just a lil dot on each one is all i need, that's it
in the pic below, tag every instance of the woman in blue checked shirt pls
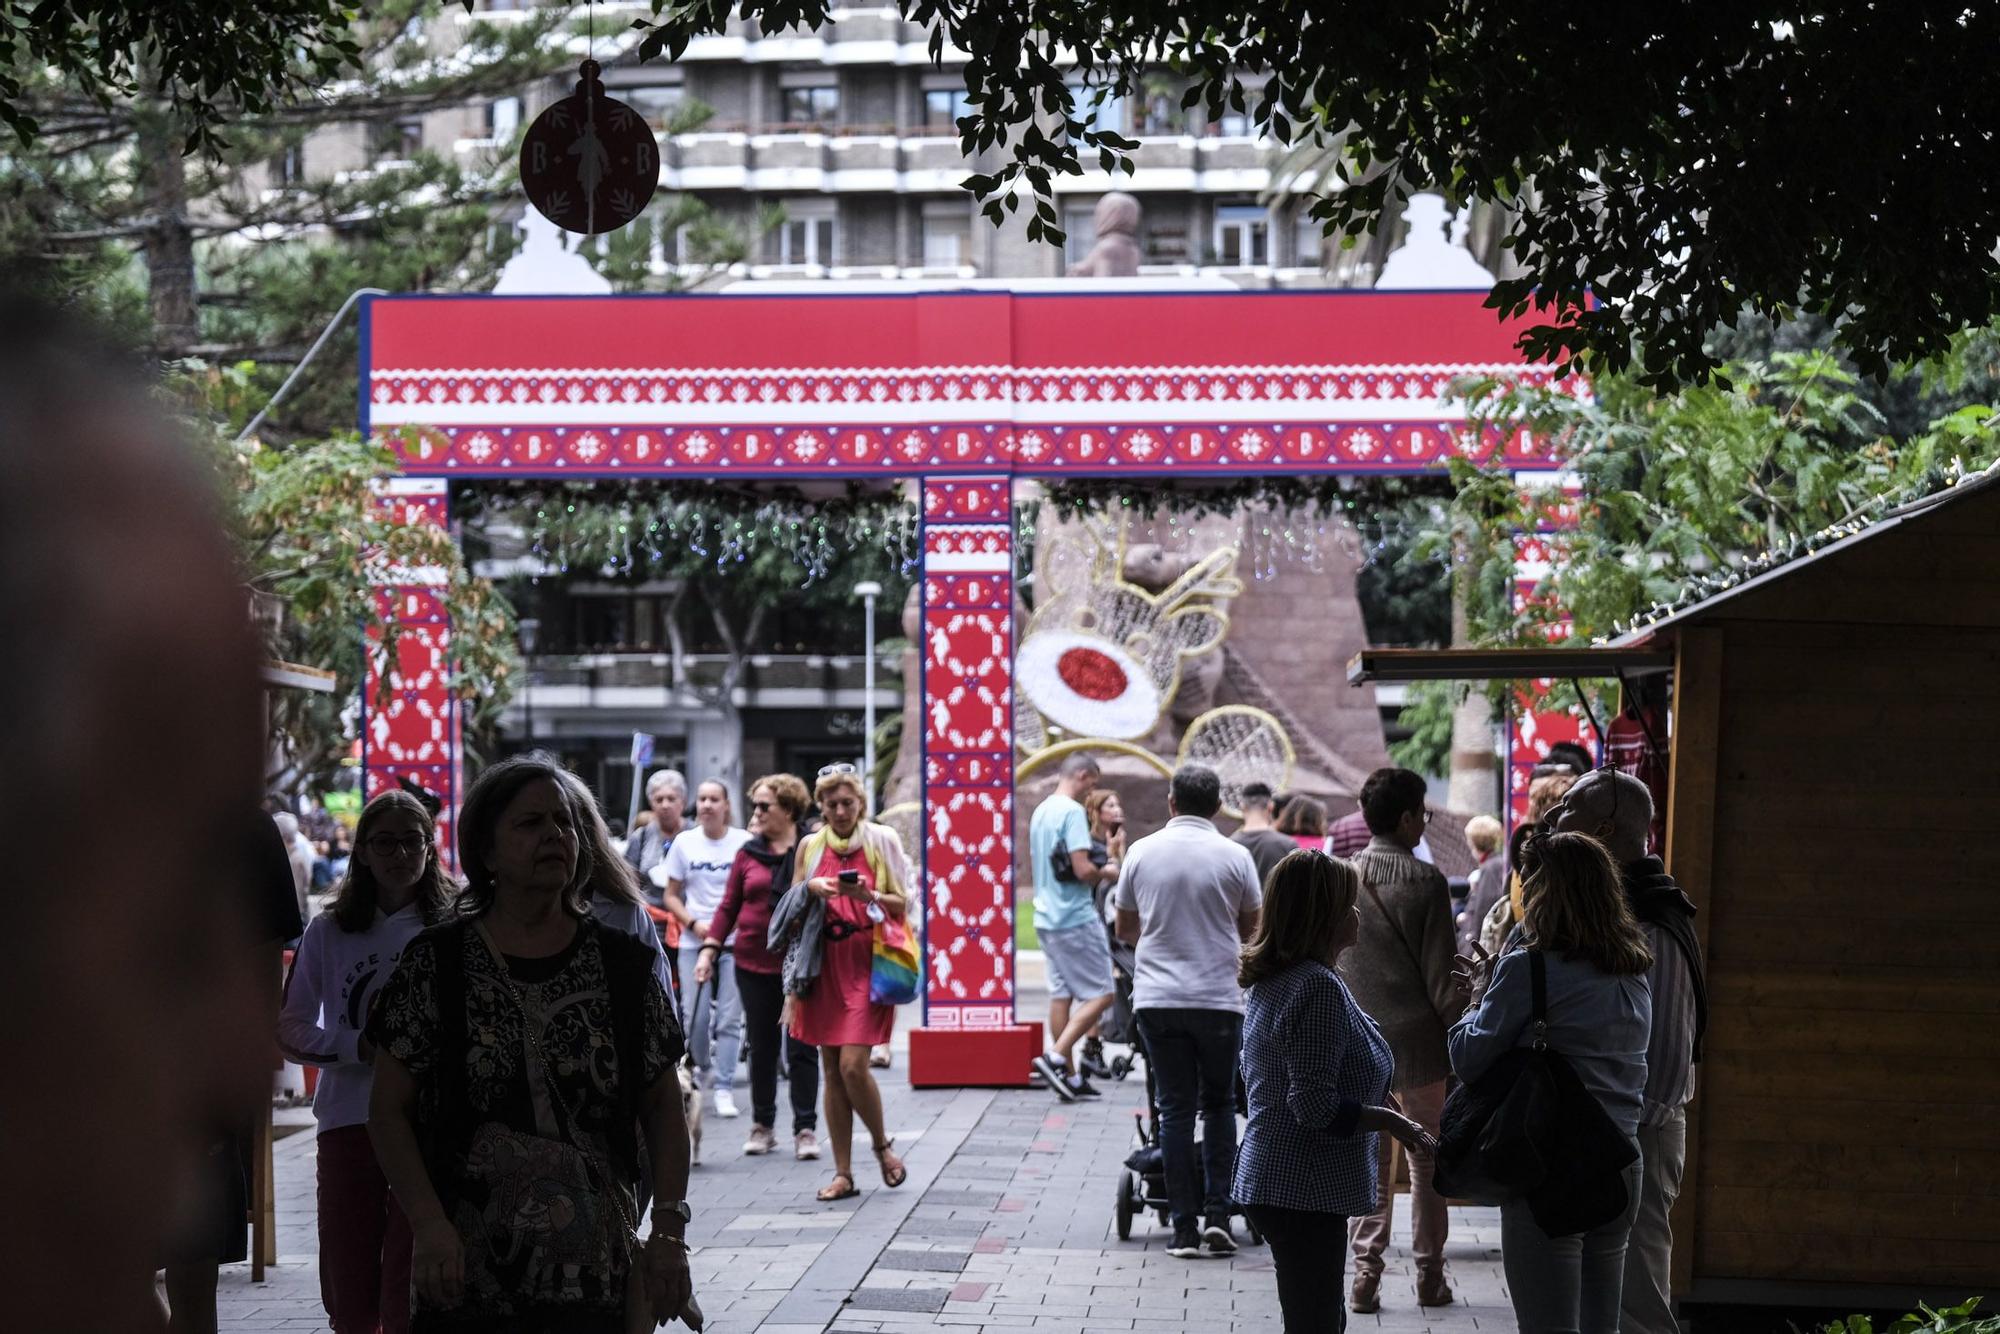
(1317, 1071)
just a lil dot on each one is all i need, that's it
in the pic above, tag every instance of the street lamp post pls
(530, 630)
(868, 591)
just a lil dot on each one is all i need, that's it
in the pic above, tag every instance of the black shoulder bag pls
(1529, 1130)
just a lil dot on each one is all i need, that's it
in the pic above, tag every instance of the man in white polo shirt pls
(1188, 898)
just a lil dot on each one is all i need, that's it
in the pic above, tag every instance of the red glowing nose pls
(1091, 674)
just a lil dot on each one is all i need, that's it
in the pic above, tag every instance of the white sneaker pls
(725, 1103)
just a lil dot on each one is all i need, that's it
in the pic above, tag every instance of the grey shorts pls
(1079, 962)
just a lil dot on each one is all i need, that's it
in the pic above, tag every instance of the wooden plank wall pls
(1849, 1108)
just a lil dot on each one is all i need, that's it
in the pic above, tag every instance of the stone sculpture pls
(1116, 251)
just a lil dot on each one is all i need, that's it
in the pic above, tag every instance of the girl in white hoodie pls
(395, 887)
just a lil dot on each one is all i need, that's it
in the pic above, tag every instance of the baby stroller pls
(1142, 1182)
(1118, 1024)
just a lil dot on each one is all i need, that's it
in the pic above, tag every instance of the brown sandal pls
(835, 1191)
(891, 1177)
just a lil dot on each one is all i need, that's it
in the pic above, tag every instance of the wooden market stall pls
(1835, 814)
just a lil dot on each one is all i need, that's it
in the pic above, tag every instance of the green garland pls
(659, 524)
(655, 525)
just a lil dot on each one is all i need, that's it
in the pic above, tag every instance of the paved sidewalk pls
(1006, 1223)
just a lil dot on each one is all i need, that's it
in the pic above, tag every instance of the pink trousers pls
(364, 1241)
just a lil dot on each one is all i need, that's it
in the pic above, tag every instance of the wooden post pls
(1697, 718)
(263, 1199)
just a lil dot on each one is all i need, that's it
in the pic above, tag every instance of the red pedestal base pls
(973, 1057)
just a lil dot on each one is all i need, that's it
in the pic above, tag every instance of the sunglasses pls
(763, 805)
(843, 768)
(386, 845)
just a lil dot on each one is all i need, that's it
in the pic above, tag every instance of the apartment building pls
(836, 152)
(848, 134)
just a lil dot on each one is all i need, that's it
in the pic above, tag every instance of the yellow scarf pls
(879, 845)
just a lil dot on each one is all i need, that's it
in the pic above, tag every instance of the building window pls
(1242, 236)
(658, 103)
(288, 168)
(1114, 113)
(1166, 241)
(1233, 124)
(807, 237)
(815, 104)
(943, 107)
(1079, 232)
(947, 236)
(1160, 114)
(399, 139)
(1308, 240)
(503, 117)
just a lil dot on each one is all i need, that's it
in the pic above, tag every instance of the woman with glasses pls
(857, 871)
(394, 888)
(761, 873)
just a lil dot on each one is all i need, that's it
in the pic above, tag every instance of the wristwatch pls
(678, 1208)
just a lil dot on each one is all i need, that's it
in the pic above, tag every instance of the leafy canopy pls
(1679, 161)
(211, 59)
(1681, 492)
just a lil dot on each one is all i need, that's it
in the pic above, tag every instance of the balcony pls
(879, 159)
(644, 682)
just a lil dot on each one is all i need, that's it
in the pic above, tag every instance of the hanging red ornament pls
(590, 163)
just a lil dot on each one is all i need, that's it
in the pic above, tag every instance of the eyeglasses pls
(1428, 813)
(388, 845)
(843, 768)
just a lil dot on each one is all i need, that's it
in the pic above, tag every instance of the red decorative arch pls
(962, 390)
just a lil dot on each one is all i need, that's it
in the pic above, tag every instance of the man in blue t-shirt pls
(1072, 934)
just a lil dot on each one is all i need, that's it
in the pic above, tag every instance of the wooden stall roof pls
(295, 676)
(1503, 664)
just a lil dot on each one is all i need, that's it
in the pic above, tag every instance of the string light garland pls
(1703, 587)
(1298, 520)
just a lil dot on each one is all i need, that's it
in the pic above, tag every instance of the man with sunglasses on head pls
(1617, 810)
(1400, 971)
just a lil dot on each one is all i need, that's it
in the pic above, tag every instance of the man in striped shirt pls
(1617, 810)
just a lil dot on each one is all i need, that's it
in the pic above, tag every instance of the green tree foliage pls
(211, 59)
(310, 530)
(1700, 484)
(1675, 162)
(1963, 1318)
(243, 249)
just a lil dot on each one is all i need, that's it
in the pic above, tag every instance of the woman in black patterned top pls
(523, 1053)
(1317, 1072)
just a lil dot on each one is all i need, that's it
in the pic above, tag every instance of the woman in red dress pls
(858, 870)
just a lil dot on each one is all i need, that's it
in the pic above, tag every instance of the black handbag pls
(1529, 1130)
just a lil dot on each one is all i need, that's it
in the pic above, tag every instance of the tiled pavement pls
(1006, 1223)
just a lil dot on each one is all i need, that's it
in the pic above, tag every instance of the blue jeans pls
(712, 1016)
(1193, 1058)
(1567, 1285)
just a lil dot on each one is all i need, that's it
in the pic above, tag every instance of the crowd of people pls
(1324, 985)
(509, 1060)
